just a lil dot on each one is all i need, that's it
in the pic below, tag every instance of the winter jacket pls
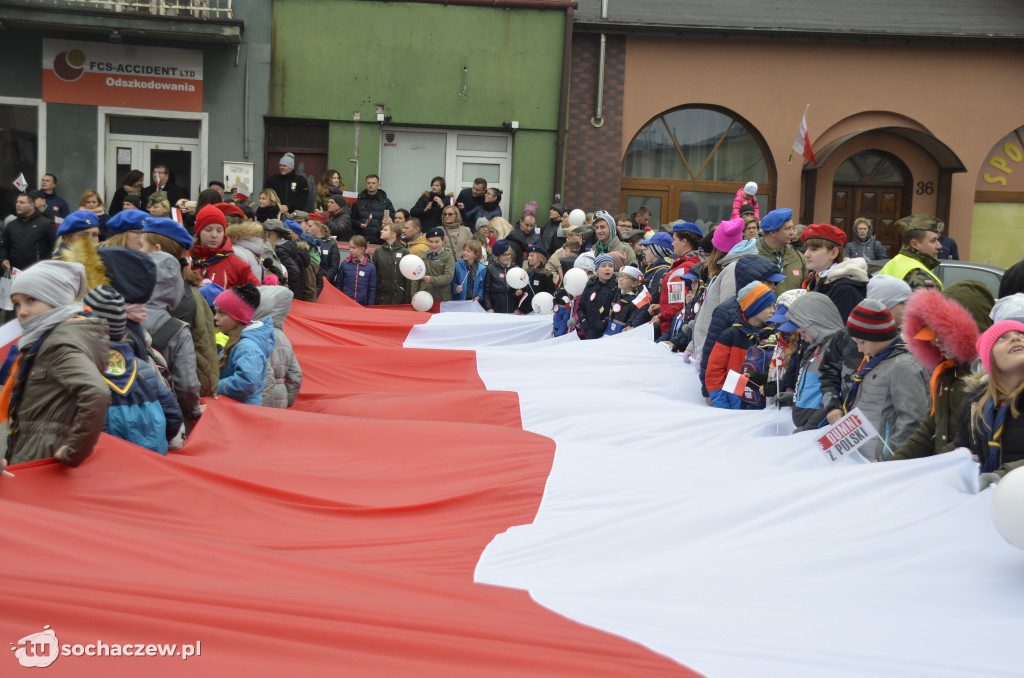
(949, 249)
(64, 398)
(27, 240)
(419, 246)
(330, 262)
(894, 398)
(472, 285)
(485, 210)
(615, 245)
(468, 202)
(913, 267)
(221, 265)
(195, 311)
(971, 433)
(247, 241)
(789, 262)
(58, 205)
(245, 374)
(291, 188)
(456, 238)
(294, 256)
(838, 365)
(846, 284)
(428, 211)
(742, 199)
(626, 314)
(868, 248)
(672, 303)
(340, 225)
(392, 287)
(368, 214)
(541, 280)
(654, 274)
(817, 315)
(358, 280)
(179, 350)
(284, 376)
(728, 353)
(520, 243)
(595, 306)
(552, 235)
(724, 286)
(498, 296)
(956, 315)
(441, 269)
(268, 212)
(142, 409)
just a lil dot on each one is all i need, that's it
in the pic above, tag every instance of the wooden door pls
(883, 205)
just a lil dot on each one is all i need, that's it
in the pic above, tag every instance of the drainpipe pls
(563, 105)
(598, 119)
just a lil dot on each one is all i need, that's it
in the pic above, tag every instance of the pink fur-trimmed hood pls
(954, 315)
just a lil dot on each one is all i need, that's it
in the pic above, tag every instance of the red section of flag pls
(339, 540)
(802, 144)
(642, 298)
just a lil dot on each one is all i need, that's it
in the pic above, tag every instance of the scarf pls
(136, 312)
(131, 190)
(205, 263)
(35, 327)
(865, 367)
(993, 419)
(934, 386)
(605, 248)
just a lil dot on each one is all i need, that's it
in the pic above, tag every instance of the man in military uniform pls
(774, 246)
(916, 260)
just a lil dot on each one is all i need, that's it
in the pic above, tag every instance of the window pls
(697, 157)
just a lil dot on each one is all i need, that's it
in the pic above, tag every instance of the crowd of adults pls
(771, 313)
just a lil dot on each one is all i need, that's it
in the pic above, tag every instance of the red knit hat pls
(987, 340)
(870, 320)
(239, 302)
(825, 232)
(210, 215)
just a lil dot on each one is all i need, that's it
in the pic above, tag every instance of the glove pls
(986, 479)
(571, 323)
(785, 400)
(770, 389)
(757, 378)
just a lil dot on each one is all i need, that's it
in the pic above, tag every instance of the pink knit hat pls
(987, 340)
(727, 235)
(239, 302)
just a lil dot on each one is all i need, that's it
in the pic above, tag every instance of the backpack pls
(758, 360)
(158, 347)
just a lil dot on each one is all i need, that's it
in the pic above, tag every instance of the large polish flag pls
(457, 494)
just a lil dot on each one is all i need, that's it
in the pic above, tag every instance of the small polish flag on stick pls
(802, 144)
(20, 182)
(735, 382)
(642, 298)
(349, 196)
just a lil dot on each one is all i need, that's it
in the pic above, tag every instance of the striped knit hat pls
(870, 320)
(603, 259)
(754, 298)
(107, 303)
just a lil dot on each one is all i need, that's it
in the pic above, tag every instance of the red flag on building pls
(802, 144)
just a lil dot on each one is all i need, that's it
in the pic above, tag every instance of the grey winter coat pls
(284, 376)
(869, 248)
(894, 398)
(180, 351)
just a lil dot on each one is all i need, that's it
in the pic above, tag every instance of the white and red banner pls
(128, 76)
(845, 436)
(457, 495)
(802, 144)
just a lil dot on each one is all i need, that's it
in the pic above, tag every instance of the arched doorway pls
(689, 162)
(876, 185)
(996, 236)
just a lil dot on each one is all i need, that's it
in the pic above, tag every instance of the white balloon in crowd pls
(412, 267)
(575, 280)
(422, 300)
(543, 302)
(1008, 507)
(517, 278)
(577, 217)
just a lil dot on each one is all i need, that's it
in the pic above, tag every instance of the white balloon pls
(422, 300)
(1008, 507)
(543, 302)
(412, 267)
(577, 217)
(575, 281)
(517, 278)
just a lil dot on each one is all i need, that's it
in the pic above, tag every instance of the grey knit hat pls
(888, 290)
(52, 281)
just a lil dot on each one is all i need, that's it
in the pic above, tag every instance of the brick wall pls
(593, 168)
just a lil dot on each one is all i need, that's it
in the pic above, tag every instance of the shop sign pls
(127, 76)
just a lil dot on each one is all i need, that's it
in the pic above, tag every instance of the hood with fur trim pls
(953, 315)
(855, 269)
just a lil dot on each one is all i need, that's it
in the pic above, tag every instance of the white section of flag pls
(735, 382)
(20, 183)
(802, 144)
(642, 298)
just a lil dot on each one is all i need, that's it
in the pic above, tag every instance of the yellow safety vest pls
(900, 265)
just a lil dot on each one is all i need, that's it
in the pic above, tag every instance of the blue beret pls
(499, 247)
(168, 227)
(774, 220)
(538, 249)
(294, 225)
(210, 291)
(660, 239)
(78, 220)
(687, 226)
(127, 220)
(435, 232)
